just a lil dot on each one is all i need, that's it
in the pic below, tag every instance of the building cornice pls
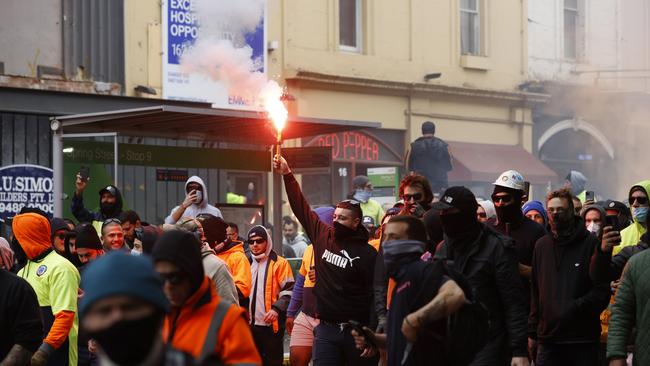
(327, 81)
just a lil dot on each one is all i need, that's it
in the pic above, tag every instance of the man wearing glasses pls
(638, 199)
(416, 193)
(197, 312)
(344, 263)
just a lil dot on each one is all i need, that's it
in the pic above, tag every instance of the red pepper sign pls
(349, 146)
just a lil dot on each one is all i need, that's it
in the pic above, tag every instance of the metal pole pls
(57, 168)
(277, 213)
(115, 156)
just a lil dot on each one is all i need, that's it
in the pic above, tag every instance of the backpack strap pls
(212, 335)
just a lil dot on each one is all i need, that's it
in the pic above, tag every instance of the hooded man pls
(593, 216)
(199, 322)
(576, 182)
(344, 264)
(639, 206)
(486, 212)
(56, 282)
(509, 189)
(125, 315)
(567, 297)
(489, 262)
(110, 204)
(272, 285)
(195, 202)
(362, 193)
(430, 157)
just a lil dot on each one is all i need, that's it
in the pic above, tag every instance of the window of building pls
(470, 27)
(571, 29)
(350, 25)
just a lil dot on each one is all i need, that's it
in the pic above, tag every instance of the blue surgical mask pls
(362, 195)
(640, 214)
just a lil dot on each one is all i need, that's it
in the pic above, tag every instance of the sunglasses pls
(111, 221)
(256, 241)
(174, 278)
(502, 199)
(61, 236)
(352, 202)
(416, 197)
(640, 200)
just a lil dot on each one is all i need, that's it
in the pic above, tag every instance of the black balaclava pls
(183, 249)
(434, 229)
(511, 213)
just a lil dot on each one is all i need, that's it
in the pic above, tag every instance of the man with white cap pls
(509, 190)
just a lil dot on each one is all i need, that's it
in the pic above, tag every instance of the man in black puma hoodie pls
(566, 296)
(344, 264)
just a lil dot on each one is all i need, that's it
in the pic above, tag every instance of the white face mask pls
(199, 197)
(593, 227)
(136, 252)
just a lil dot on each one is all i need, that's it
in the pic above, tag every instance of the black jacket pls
(344, 270)
(566, 295)
(20, 315)
(82, 214)
(490, 265)
(417, 283)
(620, 260)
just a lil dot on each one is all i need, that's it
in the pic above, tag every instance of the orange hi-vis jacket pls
(205, 315)
(278, 286)
(239, 267)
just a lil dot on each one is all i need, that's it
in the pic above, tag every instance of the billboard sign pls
(180, 29)
(25, 185)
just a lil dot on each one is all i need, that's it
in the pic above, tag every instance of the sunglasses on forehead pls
(111, 221)
(352, 202)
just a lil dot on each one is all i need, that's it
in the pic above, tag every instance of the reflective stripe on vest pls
(212, 336)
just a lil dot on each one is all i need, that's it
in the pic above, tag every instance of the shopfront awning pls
(485, 162)
(177, 122)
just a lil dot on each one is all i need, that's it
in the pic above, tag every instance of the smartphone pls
(526, 189)
(589, 196)
(359, 329)
(612, 220)
(84, 173)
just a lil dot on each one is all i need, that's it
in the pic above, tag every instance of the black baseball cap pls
(457, 197)
(110, 190)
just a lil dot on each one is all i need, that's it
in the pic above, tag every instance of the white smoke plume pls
(221, 52)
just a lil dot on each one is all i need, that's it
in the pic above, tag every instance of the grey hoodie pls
(196, 208)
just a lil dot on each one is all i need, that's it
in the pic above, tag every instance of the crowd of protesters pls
(440, 278)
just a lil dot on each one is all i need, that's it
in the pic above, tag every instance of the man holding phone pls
(110, 200)
(195, 202)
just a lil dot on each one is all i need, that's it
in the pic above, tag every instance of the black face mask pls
(563, 225)
(108, 209)
(456, 225)
(342, 232)
(129, 342)
(510, 213)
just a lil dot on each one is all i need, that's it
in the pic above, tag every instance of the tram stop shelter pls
(192, 123)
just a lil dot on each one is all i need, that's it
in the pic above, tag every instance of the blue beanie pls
(325, 214)
(537, 206)
(117, 273)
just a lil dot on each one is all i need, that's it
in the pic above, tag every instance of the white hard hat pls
(511, 179)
